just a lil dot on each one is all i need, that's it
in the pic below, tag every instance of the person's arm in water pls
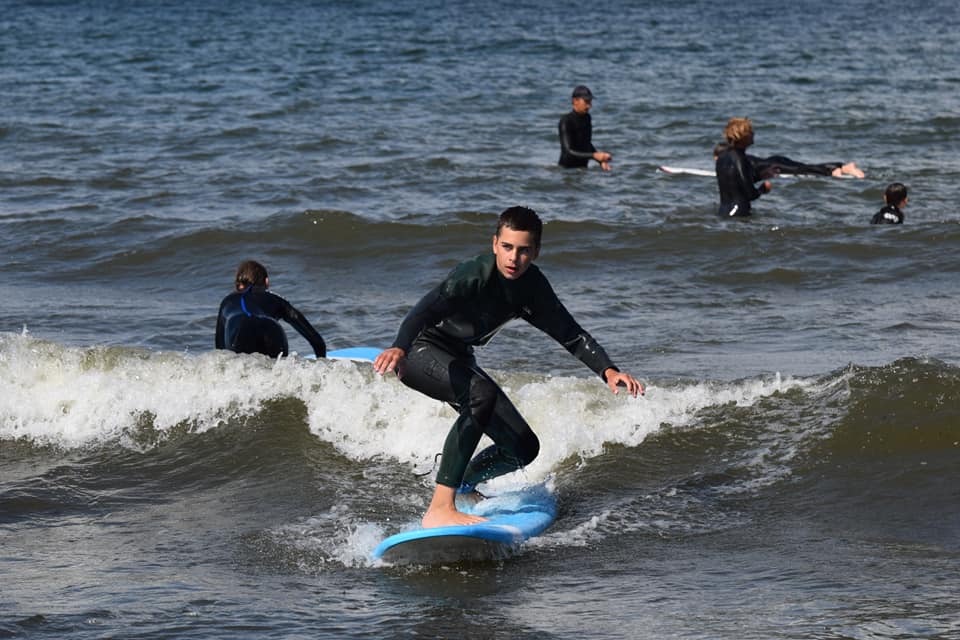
(299, 322)
(782, 165)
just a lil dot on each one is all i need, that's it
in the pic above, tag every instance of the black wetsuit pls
(768, 167)
(247, 323)
(576, 146)
(438, 335)
(735, 178)
(889, 214)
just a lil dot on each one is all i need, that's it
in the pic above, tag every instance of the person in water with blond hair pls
(736, 177)
(248, 317)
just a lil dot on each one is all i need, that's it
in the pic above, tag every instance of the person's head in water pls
(251, 273)
(896, 195)
(516, 244)
(739, 132)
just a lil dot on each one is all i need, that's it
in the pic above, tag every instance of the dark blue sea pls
(793, 470)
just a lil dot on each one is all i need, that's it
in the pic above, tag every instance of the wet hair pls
(521, 219)
(720, 148)
(895, 194)
(738, 130)
(250, 273)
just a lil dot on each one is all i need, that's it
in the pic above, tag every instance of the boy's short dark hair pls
(521, 219)
(895, 194)
(250, 273)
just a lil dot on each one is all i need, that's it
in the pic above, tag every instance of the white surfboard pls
(687, 171)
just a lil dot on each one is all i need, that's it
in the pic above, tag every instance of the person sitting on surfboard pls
(576, 133)
(735, 174)
(773, 166)
(434, 353)
(895, 199)
(247, 321)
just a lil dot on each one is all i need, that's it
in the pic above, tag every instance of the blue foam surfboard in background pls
(355, 353)
(513, 518)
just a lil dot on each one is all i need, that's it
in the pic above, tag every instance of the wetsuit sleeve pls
(788, 166)
(745, 176)
(299, 322)
(763, 168)
(566, 141)
(550, 316)
(426, 313)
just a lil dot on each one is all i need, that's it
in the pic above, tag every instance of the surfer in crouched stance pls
(434, 354)
(248, 317)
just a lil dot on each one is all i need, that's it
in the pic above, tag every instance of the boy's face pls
(515, 252)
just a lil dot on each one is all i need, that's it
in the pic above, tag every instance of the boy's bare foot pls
(851, 169)
(442, 517)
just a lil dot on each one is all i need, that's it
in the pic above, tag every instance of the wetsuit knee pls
(498, 460)
(482, 400)
(527, 449)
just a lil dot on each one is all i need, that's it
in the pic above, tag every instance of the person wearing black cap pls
(576, 131)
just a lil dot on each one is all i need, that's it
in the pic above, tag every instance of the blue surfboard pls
(355, 353)
(513, 518)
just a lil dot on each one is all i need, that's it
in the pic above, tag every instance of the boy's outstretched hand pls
(388, 360)
(616, 379)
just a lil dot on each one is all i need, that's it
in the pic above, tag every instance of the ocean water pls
(793, 470)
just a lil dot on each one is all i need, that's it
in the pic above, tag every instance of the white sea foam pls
(76, 396)
(336, 535)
